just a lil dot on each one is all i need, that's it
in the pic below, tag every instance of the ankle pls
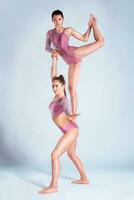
(53, 186)
(83, 176)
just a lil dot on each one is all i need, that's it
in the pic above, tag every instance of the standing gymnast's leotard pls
(59, 107)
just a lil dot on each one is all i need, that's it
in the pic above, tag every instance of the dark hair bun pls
(61, 76)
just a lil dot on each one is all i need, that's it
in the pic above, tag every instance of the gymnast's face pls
(58, 88)
(58, 21)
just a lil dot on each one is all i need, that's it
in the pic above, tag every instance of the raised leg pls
(60, 148)
(71, 152)
(73, 75)
(85, 50)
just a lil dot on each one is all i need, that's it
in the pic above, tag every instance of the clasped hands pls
(55, 53)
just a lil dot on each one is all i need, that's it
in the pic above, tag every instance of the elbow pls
(47, 49)
(85, 39)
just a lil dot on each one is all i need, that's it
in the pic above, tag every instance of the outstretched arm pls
(54, 67)
(48, 48)
(83, 37)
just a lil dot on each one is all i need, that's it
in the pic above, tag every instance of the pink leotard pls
(62, 105)
(60, 42)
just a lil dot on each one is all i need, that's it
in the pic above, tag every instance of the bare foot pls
(49, 189)
(91, 20)
(94, 19)
(81, 181)
(72, 117)
(74, 114)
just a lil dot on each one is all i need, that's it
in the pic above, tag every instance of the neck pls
(59, 29)
(60, 95)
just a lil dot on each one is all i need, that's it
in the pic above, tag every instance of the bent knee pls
(54, 155)
(101, 43)
(71, 155)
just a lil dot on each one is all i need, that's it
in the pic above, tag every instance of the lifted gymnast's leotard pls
(59, 106)
(60, 42)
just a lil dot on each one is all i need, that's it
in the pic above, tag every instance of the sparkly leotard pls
(60, 42)
(57, 107)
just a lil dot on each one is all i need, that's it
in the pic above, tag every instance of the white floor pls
(105, 184)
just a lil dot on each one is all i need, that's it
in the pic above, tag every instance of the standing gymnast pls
(61, 114)
(59, 37)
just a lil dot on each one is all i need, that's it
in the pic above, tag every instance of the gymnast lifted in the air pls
(59, 37)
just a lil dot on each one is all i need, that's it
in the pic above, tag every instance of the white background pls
(105, 87)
